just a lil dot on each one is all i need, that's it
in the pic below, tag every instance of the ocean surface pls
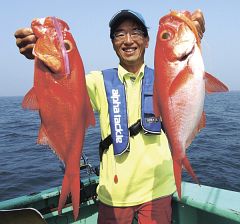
(26, 167)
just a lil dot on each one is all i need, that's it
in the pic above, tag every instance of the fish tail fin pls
(64, 193)
(177, 168)
(189, 169)
(75, 191)
(70, 184)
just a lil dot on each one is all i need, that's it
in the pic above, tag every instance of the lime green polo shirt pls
(146, 171)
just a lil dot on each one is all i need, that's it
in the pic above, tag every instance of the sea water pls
(26, 167)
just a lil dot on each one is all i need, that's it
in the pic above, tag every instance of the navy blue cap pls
(124, 14)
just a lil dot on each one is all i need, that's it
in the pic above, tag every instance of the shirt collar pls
(122, 73)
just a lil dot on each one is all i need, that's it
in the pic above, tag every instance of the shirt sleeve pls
(92, 81)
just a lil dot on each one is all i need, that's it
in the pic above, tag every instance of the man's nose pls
(128, 38)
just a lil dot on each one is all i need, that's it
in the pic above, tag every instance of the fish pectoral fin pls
(30, 100)
(181, 79)
(213, 85)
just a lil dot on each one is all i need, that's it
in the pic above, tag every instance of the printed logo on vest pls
(117, 116)
(152, 120)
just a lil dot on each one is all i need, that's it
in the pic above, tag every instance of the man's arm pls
(25, 38)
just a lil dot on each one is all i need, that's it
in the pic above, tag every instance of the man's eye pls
(137, 32)
(119, 34)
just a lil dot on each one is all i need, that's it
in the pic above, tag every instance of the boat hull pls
(199, 205)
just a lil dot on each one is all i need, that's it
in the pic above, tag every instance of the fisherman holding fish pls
(136, 168)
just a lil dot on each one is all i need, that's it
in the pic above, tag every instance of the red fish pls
(180, 85)
(60, 94)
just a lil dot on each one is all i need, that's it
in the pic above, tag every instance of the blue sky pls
(88, 21)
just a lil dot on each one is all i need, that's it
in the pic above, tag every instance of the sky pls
(88, 21)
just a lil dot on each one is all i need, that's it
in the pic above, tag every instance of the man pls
(136, 173)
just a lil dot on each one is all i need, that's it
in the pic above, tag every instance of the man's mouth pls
(129, 49)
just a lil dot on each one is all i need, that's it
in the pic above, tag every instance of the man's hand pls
(198, 19)
(25, 40)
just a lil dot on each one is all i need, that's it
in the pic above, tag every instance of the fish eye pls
(68, 45)
(165, 35)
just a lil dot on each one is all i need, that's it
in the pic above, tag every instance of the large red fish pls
(60, 94)
(180, 85)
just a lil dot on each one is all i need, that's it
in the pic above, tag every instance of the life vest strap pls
(105, 143)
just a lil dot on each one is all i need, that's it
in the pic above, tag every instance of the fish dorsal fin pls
(30, 100)
(180, 80)
(212, 84)
(201, 125)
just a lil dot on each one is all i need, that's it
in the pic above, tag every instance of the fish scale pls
(179, 86)
(61, 99)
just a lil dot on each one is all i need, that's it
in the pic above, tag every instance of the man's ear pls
(113, 45)
(147, 41)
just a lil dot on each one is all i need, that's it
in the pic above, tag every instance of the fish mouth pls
(186, 54)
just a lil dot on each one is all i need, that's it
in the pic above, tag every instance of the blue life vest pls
(117, 108)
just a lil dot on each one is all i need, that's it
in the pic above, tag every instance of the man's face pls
(130, 48)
